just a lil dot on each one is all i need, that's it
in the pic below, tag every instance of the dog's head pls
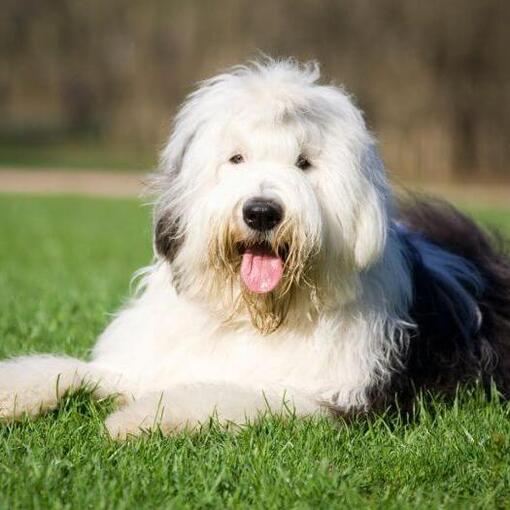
(272, 195)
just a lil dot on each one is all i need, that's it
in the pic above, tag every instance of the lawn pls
(65, 265)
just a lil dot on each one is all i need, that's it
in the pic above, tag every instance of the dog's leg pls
(188, 406)
(33, 384)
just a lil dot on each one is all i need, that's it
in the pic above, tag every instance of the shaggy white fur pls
(195, 342)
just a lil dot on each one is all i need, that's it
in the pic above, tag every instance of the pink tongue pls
(261, 271)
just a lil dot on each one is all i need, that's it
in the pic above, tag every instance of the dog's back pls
(449, 346)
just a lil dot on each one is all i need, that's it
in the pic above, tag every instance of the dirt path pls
(488, 195)
(127, 184)
(98, 183)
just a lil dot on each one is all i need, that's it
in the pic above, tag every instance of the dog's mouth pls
(261, 267)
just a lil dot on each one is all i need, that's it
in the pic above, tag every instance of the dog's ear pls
(371, 225)
(372, 215)
(167, 236)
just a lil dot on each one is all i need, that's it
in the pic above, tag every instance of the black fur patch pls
(443, 349)
(167, 238)
(448, 348)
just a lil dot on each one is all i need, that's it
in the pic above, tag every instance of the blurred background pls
(93, 83)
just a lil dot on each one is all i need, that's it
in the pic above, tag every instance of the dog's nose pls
(262, 214)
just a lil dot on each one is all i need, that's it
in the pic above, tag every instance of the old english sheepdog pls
(285, 277)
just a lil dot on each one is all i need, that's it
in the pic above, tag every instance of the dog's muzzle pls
(261, 267)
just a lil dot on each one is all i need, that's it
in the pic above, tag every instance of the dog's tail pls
(443, 225)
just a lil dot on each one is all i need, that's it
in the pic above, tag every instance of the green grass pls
(65, 264)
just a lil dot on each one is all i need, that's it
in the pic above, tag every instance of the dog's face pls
(272, 194)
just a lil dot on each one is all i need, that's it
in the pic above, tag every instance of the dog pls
(286, 276)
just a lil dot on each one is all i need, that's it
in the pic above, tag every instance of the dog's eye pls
(302, 162)
(236, 159)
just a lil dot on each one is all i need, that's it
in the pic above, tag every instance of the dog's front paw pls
(23, 389)
(15, 405)
(125, 424)
(7, 405)
(146, 415)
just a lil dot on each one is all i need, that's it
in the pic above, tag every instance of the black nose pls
(262, 214)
